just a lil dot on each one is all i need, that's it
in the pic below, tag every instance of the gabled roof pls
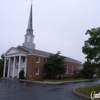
(72, 60)
(36, 52)
(46, 54)
(12, 48)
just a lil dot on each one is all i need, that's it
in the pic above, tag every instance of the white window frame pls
(72, 69)
(38, 59)
(66, 69)
(45, 60)
(37, 73)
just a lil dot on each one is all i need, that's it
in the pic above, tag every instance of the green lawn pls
(87, 90)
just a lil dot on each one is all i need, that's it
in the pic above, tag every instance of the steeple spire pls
(29, 37)
(30, 28)
(30, 20)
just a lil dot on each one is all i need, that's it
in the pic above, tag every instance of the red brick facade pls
(32, 65)
(70, 64)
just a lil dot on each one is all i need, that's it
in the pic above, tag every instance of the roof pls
(46, 54)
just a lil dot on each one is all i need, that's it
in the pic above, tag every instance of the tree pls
(1, 65)
(21, 74)
(88, 69)
(92, 45)
(54, 65)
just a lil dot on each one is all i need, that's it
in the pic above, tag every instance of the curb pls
(83, 97)
(47, 82)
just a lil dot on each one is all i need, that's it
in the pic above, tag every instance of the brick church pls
(31, 60)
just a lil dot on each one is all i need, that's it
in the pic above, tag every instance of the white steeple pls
(29, 37)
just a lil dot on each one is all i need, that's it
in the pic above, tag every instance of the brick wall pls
(70, 64)
(32, 65)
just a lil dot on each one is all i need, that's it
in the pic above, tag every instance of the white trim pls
(38, 59)
(19, 65)
(8, 67)
(26, 66)
(13, 55)
(10, 49)
(37, 73)
(4, 67)
(13, 73)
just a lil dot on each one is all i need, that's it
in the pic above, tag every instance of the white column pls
(4, 67)
(19, 65)
(25, 65)
(8, 67)
(13, 73)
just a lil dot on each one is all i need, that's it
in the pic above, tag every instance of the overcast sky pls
(59, 25)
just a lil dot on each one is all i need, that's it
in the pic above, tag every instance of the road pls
(15, 90)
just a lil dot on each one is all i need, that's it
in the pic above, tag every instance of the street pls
(15, 90)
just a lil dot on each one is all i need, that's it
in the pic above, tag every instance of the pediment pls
(12, 51)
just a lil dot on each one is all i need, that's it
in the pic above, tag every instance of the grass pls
(87, 90)
(62, 80)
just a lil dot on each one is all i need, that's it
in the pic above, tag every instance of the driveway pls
(15, 90)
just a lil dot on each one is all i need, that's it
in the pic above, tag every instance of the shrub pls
(64, 77)
(21, 74)
(37, 78)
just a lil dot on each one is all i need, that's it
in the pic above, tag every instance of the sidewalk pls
(49, 82)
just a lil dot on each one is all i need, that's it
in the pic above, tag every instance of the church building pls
(31, 60)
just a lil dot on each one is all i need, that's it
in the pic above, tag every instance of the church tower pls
(29, 37)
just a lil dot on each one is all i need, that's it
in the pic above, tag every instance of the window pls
(45, 60)
(37, 59)
(37, 71)
(72, 69)
(66, 69)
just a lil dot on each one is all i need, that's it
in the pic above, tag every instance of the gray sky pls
(59, 25)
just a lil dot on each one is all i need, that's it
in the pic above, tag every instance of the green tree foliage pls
(54, 65)
(21, 74)
(1, 65)
(92, 45)
(88, 69)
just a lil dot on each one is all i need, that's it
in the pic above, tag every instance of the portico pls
(14, 64)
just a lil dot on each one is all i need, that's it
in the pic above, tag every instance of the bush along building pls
(31, 60)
